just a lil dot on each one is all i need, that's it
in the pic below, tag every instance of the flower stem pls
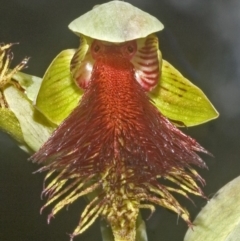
(141, 234)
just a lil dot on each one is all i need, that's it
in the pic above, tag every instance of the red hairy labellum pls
(116, 124)
(117, 142)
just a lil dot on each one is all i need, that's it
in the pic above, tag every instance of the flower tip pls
(190, 224)
(25, 61)
(205, 197)
(50, 216)
(72, 236)
(11, 44)
(42, 208)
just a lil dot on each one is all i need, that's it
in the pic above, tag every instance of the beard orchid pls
(116, 105)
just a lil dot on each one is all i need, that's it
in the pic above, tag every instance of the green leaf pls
(35, 128)
(10, 124)
(180, 100)
(29, 83)
(58, 94)
(220, 219)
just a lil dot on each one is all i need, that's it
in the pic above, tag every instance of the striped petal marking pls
(142, 53)
(147, 63)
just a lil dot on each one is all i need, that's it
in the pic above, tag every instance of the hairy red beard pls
(117, 144)
(116, 127)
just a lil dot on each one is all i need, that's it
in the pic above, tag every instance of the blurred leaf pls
(35, 128)
(180, 100)
(58, 94)
(220, 219)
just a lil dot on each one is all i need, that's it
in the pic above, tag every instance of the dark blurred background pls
(201, 39)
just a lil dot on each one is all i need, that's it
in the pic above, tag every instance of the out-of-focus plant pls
(115, 105)
(18, 116)
(220, 218)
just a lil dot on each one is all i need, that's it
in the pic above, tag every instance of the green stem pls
(141, 233)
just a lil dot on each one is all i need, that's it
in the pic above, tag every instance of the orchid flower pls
(117, 105)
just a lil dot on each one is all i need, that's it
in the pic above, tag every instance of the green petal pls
(10, 124)
(220, 219)
(58, 94)
(29, 83)
(35, 128)
(180, 100)
(82, 62)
